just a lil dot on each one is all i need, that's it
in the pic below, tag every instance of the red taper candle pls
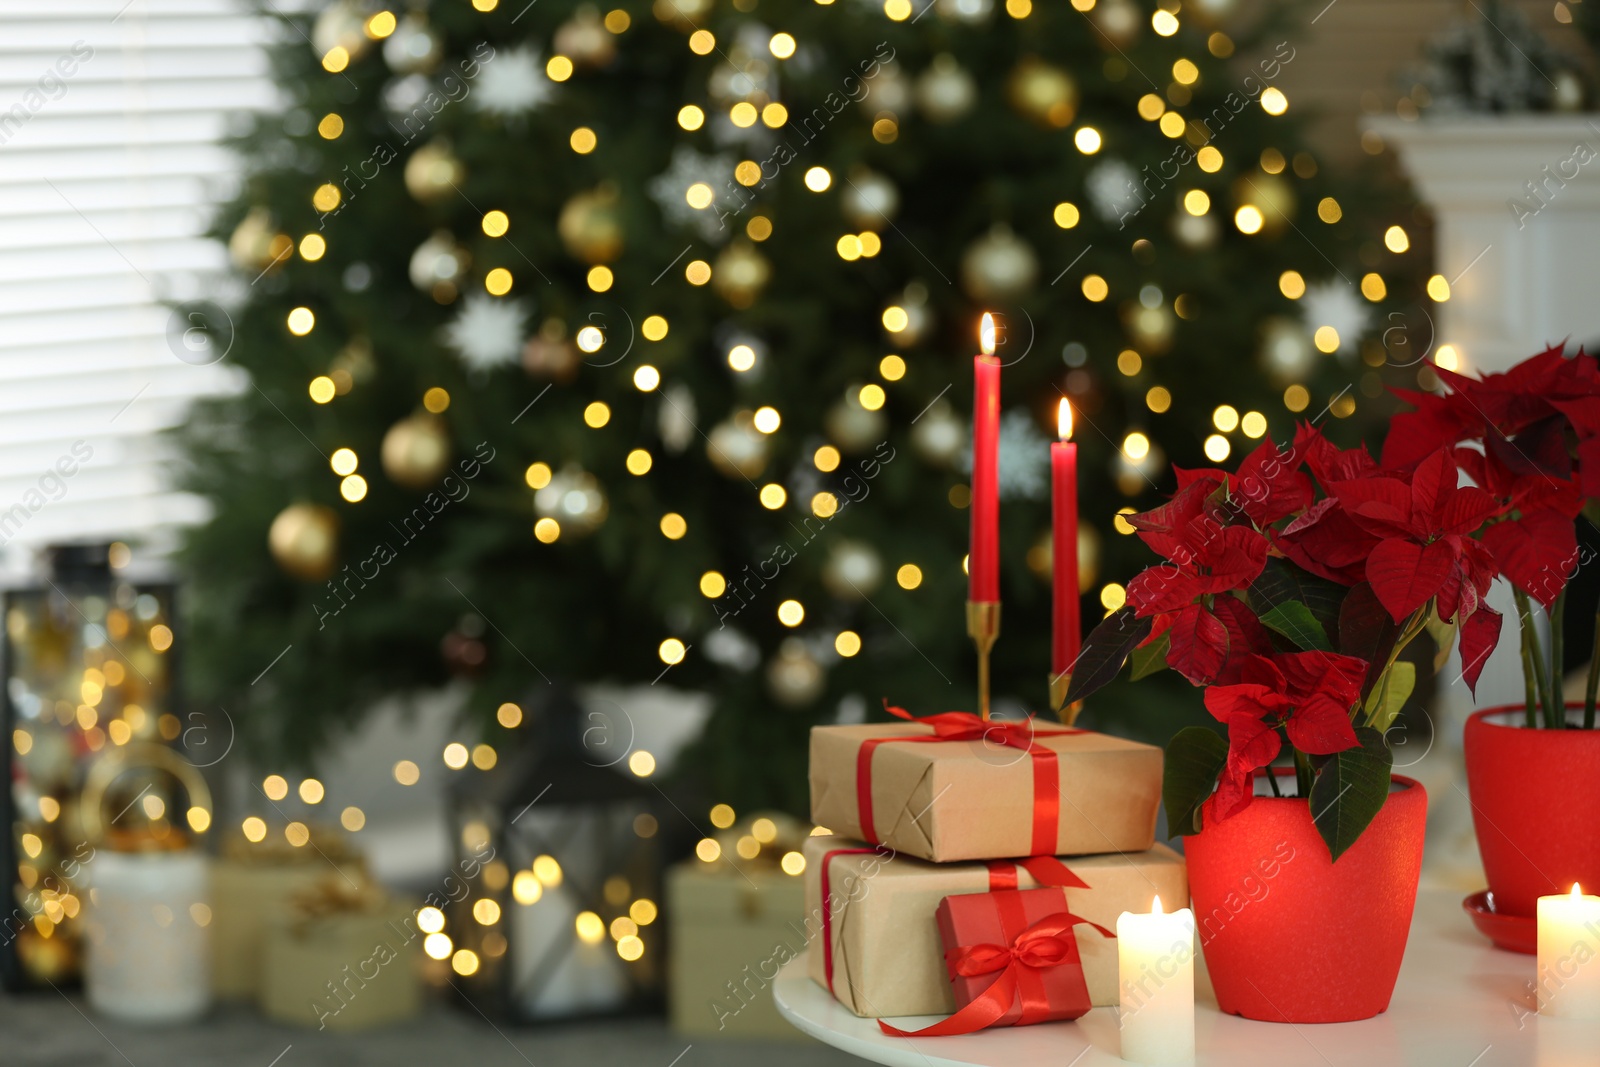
(1066, 636)
(983, 563)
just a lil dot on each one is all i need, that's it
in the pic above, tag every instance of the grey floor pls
(50, 1030)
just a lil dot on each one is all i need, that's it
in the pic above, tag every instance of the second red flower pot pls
(1288, 934)
(1535, 804)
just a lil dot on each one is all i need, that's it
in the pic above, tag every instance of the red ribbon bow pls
(1046, 944)
(965, 726)
(1041, 945)
(1003, 874)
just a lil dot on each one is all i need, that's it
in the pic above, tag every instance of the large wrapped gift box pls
(253, 885)
(346, 958)
(733, 926)
(880, 933)
(1021, 790)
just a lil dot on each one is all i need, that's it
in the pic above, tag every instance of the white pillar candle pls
(1569, 955)
(1155, 970)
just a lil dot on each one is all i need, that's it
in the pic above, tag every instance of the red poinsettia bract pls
(1518, 429)
(1308, 694)
(1204, 558)
(1422, 525)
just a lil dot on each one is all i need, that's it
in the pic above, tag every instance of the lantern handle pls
(105, 771)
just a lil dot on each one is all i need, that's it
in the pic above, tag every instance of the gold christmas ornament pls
(686, 15)
(1196, 231)
(590, 225)
(868, 200)
(341, 25)
(1271, 194)
(413, 47)
(1118, 20)
(739, 273)
(550, 353)
(1088, 557)
(584, 39)
(1150, 327)
(852, 571)
(1041, 557)
(1134, 476)
(355, 361)
(939, 435)
(433, 172)
(852, 427)
(908, 318)
(574, 499)
(416, 451)
(794, 677)
(945, 91)
(304, 541)
(998, 266)
(1215, 11)
(1044, 93)
(256, 243)
(438, 261)
(736, 448)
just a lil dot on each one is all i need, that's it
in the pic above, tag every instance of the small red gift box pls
(1012, 956)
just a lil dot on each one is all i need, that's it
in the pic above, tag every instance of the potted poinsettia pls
(1289, 591)
(1531, 438)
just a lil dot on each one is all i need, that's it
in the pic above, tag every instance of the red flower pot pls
(1291, 936)
(1535, 803)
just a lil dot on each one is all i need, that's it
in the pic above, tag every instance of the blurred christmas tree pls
(635, 340)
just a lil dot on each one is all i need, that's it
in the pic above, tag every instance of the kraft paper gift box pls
(352, 965)
(252, 886)
(882, 932)
(1076, 793)
(731, 931)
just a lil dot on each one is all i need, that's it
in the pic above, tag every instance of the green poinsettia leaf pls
(1350, 790)
(1148, 659)
(1394, 688)
(1366, 631)
(1294, 620)
(1281, 582)
(1195, 757)
(1105, 650)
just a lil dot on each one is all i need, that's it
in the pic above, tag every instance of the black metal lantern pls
(90, 667)
(558, 851)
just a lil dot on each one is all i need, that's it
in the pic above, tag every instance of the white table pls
(1459, 1003)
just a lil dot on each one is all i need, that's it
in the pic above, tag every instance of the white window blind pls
(111, 117)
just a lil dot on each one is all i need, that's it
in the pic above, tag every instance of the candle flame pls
(986, 334)
(1577, 891)
(1064, 420)
(1155, 909)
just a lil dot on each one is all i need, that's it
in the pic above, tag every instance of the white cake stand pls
(1459, 1003)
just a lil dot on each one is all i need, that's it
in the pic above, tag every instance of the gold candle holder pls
(1059, 685)
(983, 626)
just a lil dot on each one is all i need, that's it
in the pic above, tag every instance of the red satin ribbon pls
(1031, 950)
(965, 726)
(827, 909)
(1046, 870)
